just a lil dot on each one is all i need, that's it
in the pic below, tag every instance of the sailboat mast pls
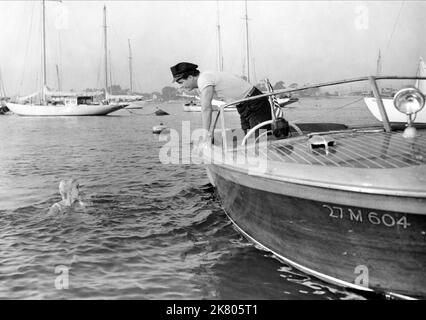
(130, 68)
(59, 79)
(110, 71)
(379, 65)
(2, 89)
(247, 45)
(43, 94)
(219, 42)
(106, 53)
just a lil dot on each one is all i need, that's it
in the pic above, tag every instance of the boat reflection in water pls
(344, 204)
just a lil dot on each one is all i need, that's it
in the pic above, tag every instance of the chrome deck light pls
(409, 101)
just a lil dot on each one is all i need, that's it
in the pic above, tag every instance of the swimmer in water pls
(71, 198)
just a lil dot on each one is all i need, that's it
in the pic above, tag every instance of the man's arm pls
(206, 106)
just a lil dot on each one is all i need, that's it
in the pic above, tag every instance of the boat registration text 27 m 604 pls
(362, 216)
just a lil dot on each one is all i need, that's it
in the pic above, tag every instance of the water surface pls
(152, 231)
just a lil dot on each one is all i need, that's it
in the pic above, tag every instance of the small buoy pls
(160, 128)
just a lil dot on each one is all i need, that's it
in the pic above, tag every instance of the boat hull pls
(393, 114)
(286, 102)
(135, 105)
(191, 108)
(196, 108)
(60, 110)
(349, 245)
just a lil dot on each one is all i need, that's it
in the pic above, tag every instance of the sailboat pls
(68, 104)
(134, 99)
(394, 115)
(216, 104)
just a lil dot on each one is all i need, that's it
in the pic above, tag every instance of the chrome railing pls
(371, 79)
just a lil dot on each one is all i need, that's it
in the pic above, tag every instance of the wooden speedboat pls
(347, 205)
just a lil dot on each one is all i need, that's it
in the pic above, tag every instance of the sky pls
(290, 41)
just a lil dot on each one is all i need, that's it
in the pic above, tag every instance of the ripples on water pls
(152, 231)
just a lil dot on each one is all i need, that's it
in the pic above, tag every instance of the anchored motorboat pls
(196, 107)
(344, 204)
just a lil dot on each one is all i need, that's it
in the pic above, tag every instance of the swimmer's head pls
(69, 190)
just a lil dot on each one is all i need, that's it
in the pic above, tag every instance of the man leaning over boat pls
(225, 86)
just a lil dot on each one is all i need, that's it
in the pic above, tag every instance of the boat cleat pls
(321, 141)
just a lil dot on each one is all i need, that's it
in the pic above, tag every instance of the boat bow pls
(332, 202)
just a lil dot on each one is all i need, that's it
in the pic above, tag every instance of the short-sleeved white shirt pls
(226, 86)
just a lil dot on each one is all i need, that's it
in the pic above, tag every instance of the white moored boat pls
(74, 106)
(58, 103)
(392, 113)
(194, 107)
